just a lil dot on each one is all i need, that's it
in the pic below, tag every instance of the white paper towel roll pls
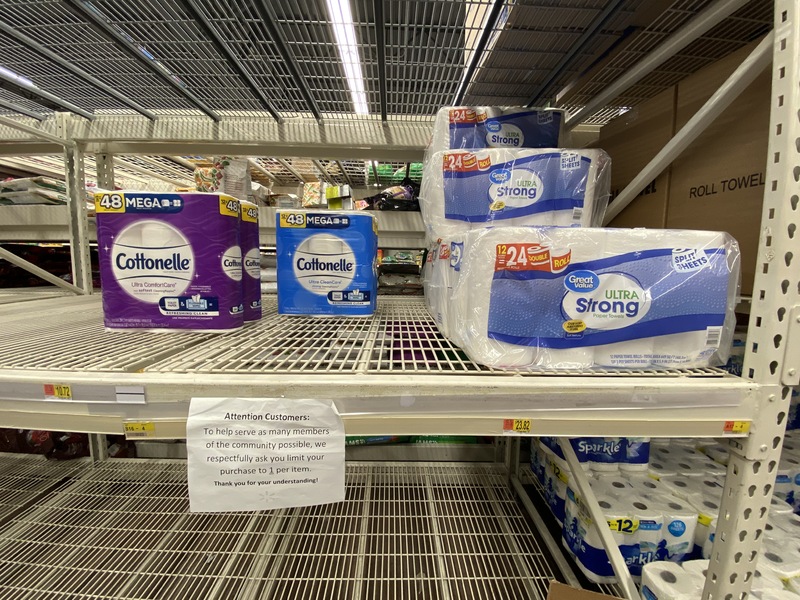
(668, 581)
(648, 535)
(790, 523)
(775, 595)
(636, 456)
(644, 484)
(697, 567)
(680, 525)
(766, 582)
(780, 554)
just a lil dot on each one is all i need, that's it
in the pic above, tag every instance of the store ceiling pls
(265, 59)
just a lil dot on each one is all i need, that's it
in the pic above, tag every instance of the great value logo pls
(514, 188)
(606, 301)
(503, 135)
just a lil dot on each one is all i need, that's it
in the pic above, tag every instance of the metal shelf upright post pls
(772, 355)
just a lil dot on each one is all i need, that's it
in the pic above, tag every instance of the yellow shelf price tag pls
(139, 429)
(512, 426)
(736, 427)
(55, 391)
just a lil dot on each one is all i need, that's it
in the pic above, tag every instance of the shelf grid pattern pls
(400, 338)
(23, 479)
(746, 25)
(51, 23)
(73, 339)
(122, 530)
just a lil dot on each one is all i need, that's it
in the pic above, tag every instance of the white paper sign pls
(263, 453)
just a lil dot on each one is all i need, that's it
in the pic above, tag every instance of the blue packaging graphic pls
(326, 263)
(473, 189)
(468, 127)
(515, 188)
(560, 297)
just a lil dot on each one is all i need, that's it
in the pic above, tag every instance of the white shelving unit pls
(391, 374)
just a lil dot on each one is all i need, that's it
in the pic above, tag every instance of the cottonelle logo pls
(323, 264)
(151, 259)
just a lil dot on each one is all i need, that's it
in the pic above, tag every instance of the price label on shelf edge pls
(516, 426)
(56, 391)
(137, 430)
(736, 427)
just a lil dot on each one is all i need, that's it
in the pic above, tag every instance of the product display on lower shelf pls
(664, 518)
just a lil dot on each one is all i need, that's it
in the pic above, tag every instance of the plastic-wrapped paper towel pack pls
(459, 127)
(465, 189)
(670, 581)
(636, 527)
(555, 297)
(251, 261)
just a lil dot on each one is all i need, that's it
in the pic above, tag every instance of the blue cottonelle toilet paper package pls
(326, 263)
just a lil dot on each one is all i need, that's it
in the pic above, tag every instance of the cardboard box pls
(559, 591)
(718, 182)
(631, 141)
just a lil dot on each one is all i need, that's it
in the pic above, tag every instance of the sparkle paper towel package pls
(635, 527)
(465, 190)
(669, 581)
(326, 263)
(678, 532)
(170, 261)
(251, 261)
(568, 298)
(458, 127)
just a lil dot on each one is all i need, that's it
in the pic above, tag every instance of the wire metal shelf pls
(400, 338)
(121, 530)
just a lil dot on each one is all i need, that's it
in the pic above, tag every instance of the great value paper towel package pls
(326, 263)
(251, 261)
(169, 261)
(463, 189)
(466, 127)
(557, 297)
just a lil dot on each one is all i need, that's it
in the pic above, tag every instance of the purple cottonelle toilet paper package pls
(251, 262)
(170, 261)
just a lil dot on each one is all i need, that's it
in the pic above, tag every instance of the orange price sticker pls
(511, 426)
(736, 427)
